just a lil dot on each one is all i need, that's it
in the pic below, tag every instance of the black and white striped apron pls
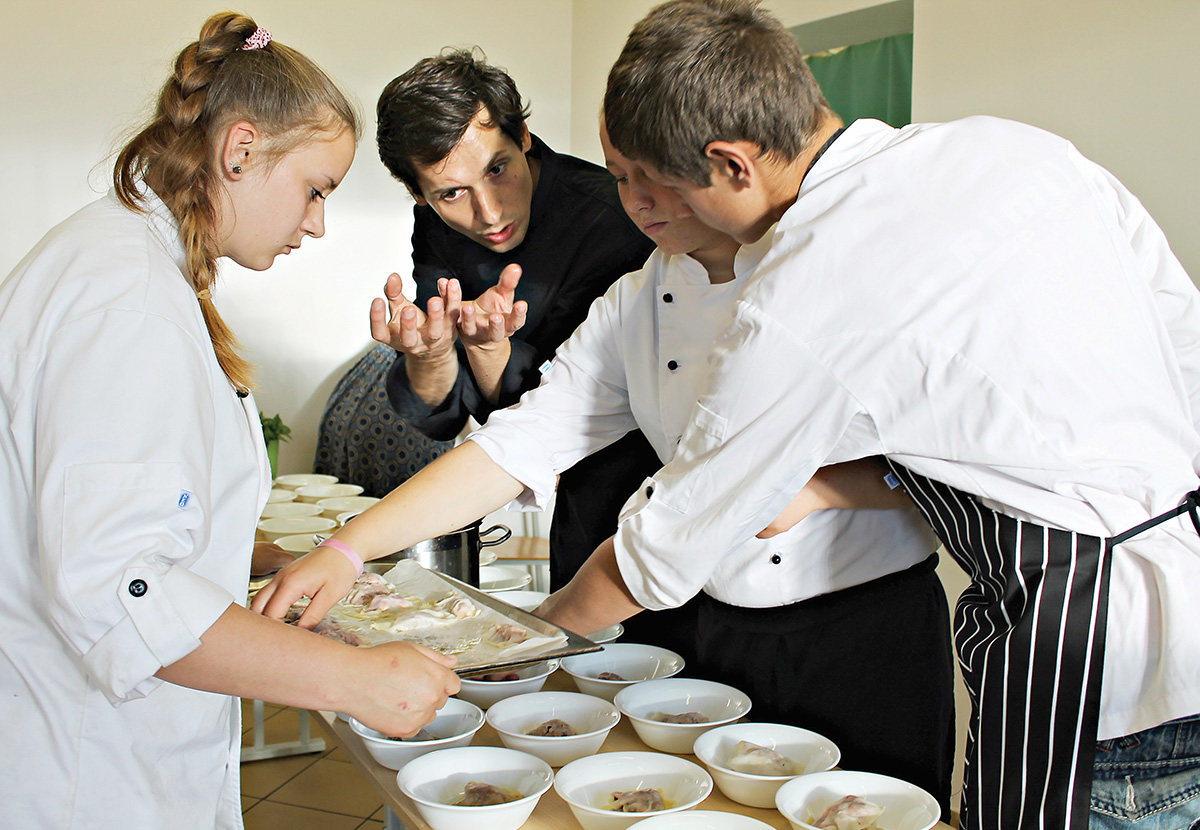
(1030, 637)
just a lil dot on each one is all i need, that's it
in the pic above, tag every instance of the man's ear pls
(733, 161)
(526, 139)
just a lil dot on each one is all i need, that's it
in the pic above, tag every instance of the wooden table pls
(552, 813)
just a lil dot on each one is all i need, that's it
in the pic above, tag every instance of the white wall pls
(77, 74)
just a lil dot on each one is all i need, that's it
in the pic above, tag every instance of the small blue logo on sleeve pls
(891, 481)
(545, 367)
(184, 498)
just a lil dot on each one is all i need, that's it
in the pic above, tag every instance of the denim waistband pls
(1170, 747)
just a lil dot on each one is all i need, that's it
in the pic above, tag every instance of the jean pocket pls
(1136, 799)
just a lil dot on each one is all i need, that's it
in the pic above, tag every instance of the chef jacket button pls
(776, 559)
(649, 492)
(672, 365)
(138, 588)
(667, 298)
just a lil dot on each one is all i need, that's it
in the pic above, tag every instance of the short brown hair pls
(697, 71)
(217, 83)
(424, 112)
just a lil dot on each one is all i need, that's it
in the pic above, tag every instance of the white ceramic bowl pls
(316, 492)
(808, 750)
(634, 662)
(591, 717)
(906, 807)
(494, 579)
(297, 544)
(436, 780)
(608, 635)
(290, 508)
(297, 480)
(588, 784)
(702, 820)
(272, 529)
(279, 495)
(719, 703)
(333, 507)
(484, 693)
(455, 725)
(525, 600)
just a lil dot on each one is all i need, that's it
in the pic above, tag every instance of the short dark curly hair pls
(424, 112)
(697, 71)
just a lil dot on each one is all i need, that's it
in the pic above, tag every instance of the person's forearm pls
(456, 489)
(432, 377)
(595, 598)
(856, 485)
(248, 655)
(488, 362)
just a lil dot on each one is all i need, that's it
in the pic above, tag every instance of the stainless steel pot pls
(453, 554)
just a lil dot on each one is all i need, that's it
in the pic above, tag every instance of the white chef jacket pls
(132, 476)
(638, 361)
(979, 302)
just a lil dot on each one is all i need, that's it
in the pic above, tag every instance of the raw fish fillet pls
(851, 813)
(637, 801)
(759, 760)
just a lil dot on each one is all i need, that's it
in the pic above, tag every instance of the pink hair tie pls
(258, 40)
(346, 551)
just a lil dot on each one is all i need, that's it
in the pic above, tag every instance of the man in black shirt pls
(511, 243)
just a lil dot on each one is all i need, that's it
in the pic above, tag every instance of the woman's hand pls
(399, 687)
(324, 575)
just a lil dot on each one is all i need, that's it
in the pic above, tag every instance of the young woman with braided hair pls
(132, 468)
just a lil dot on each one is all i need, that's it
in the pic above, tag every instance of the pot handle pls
(487, 543)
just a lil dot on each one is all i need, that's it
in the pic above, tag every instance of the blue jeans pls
(1149, 780)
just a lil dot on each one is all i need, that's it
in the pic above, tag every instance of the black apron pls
(1030, 633)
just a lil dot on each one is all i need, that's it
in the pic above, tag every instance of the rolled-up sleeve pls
(124, 451)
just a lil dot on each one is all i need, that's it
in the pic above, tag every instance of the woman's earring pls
(236, 169)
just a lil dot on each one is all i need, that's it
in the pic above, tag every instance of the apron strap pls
(1190, 505)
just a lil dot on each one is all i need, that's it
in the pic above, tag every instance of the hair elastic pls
(258, 40)
(346, 551)
(204, 295)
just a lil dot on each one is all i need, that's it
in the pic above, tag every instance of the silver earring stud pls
(236, 169)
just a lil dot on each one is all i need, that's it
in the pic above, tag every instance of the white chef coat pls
(132, 476)
(638, 361)
(979, 302)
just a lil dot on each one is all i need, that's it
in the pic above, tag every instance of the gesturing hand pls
(495, 315)
(398, 323)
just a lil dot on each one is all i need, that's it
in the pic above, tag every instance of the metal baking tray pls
(576, 643)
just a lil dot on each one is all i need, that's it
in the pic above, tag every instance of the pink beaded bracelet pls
(346, 551)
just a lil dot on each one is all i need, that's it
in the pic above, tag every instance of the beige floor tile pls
(261, 778)
(330, 785)
(371, 824)
(267, 815)
(248, 802)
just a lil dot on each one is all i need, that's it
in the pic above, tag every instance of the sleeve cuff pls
(167, 614)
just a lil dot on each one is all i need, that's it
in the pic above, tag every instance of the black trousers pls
(870, 667)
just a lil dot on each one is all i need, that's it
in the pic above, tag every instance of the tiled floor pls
(321, 791)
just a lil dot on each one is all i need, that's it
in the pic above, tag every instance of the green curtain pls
(870, 80)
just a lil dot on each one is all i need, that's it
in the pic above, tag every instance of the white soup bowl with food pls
(564, 725)
(595, 786)
(436, 782)
(751, 761)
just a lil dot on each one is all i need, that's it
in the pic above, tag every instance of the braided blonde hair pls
(217, 83)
